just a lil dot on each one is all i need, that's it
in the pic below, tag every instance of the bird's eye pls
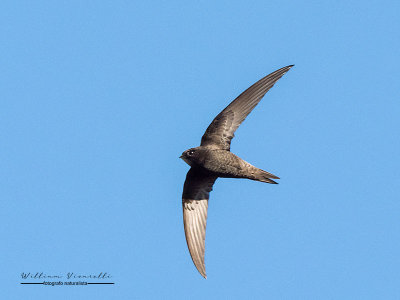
(191, 152)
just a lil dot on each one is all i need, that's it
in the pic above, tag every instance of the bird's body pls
(213, 159)
(225, 164)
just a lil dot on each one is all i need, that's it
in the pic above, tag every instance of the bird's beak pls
(181, 156)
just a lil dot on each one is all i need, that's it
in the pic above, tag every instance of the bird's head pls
(191, 156)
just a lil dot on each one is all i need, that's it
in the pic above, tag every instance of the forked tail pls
(263, 176)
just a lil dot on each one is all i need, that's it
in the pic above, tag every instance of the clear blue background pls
(99, 99)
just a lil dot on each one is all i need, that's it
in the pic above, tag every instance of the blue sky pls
(99, 99)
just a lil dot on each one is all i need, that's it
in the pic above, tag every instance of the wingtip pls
(285, 69)
(202, 273)
(269, 180)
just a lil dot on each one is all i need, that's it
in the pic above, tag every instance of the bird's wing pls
(196, 190)
(221, 130)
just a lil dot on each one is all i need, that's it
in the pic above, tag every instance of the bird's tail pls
(264, 176)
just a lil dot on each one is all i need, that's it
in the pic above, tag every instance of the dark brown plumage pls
(213, 159)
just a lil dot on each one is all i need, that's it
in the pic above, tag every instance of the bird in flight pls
(213, 159)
